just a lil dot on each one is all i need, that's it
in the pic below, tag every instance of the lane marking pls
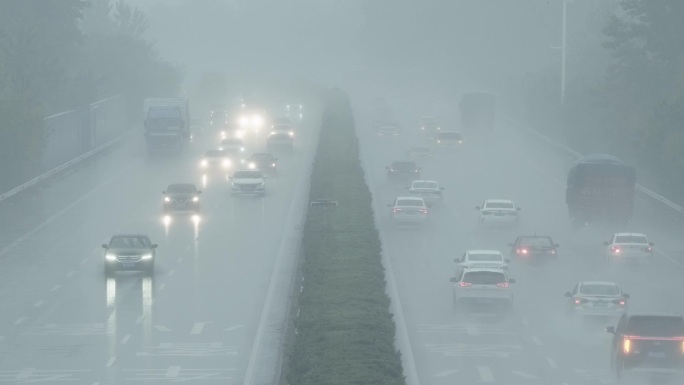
(139, 319)
(84, 260)
(230, 329)
(525, 322)
(125, 339)
(172, 372)
(197, 328)
(162, 328)
(110, 362)
(525, 375)
(71, 273)
(39, 303)
(20, 321)
(180, 260)
(446, 373)
(172, 272)
(472, 330)
(55, 288)
(485, 374)
(25, 374)
(537, 340)
(162, 286)
(552, 363)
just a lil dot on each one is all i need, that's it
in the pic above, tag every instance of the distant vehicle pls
(408, 210)
(264, 162)
(628, 246)
(232, 130)
(647, 343)
(384, 130)
(449, 138)
(280, 140)
(483, 259)
(294, 109)
(167, 124)
(478, 285)
(232, 145)
(420, 152)
(529, 247)
(251, 119)
(499, 212)
(478, 110)
(129, 252)
(429, 126)
(216, 160)
(248, 182)
(596, 299)
(181, 197)
(218, 118)
(282, 125)
(403, 170)
(429, 190)
(600, 187)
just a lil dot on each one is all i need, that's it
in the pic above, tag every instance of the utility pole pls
(562, 48)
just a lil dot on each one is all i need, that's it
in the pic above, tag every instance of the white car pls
(409, 210)
(483, 258)
(251, 182)
(628, 246)
(596, 298)
(216, 160)
(429, 190)
(483, 285)
(498, 212)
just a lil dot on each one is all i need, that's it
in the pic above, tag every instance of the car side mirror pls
(511, 280)
(389, 205)
(441, 188)
(199, 191)
(606, 243)
(510, 245)
(610, 329)
(518, 208)
(454, 279)
(625, 295)
(386, 167)
(457, 260)
(568, 294)
(164, 192)
(428, 205)
(104, 246)
(477, 207)
(651, 244)
(154, 245)
(507, 260)
(556, 245)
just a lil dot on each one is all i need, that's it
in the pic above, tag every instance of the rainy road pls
(195, 320)
(537, 343)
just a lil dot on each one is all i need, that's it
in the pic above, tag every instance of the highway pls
(195, 320)
(536, 343)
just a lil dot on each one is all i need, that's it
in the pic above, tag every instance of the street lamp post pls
(562, 48)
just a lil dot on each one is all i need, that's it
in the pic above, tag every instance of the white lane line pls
(446, 373)
(472, 330)
(139, 319)
(20, 321)
(39, 303)
(180, 260)
(96, 383)
(485, 374)
(197, 328)
(537, 340)
(525, 322)
(55, 288)
(83, 261)
(71, 273)
(172, 372)
(162, 328)
(162, 286)
(525, 375)
(187, 249)
(552, 363)
(125, 339)
(236, 327)
(25, 374)
(172, 272)
(2, 338)
(110, 362)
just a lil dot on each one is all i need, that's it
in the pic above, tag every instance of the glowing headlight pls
(251, 165)
(242, 149)
(257, 121)
(204, 163)
(226, 163)
(291, 133)
(146, 257)
(195, 199)
(167, 199)
(273, 165)
(110, 257)
(243, 121)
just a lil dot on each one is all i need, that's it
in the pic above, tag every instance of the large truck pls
(167, 124)
(478, 110)
(600, 187)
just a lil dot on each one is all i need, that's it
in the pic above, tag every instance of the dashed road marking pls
(110, 362)
(162, 286)
(551, 363)
(162, 328)
(25, 374)
(446, 373)
(536, 340)
(472, 330)
(139, 319)
(71, 273)
(230, 329)
(83, 261)
(55, 288)
(172, 272)
(197, 328)
(20, 321)
(125, 339)
(485, 374)
(172, 372)
(38, 303)
(525, 375)
(181, 258)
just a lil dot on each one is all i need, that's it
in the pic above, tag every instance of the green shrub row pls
(345, 332)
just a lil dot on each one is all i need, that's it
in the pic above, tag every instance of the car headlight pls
(273, 165)
(242, 149)
(195, 199)
(167, 199)
(243, 121)
(146, 257)
(110, 257)
(226, 163)
(204, 163)
(257, 121)
(252, 165)
(291, 133)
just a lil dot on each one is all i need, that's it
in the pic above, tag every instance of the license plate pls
(600, 304)
(656, 354)
(128, 264)
(484, 300)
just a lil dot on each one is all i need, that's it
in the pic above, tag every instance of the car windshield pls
(428, 185)
(403, 166)
(484, 257)
(185, 188)
(536, 242)
(128, 243)
(215, 154)
(631, 239)
(262, 157)
(450, 136)
(484, 277)
(247, 175)
(656, 326)
(232, 142)
(499, 205)
(599, 289)
(410, 203)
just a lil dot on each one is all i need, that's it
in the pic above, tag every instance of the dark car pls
(647, 342)
(403, 171)
(531, 246)
(264, 162)
(129, 252)
(280, 140)
(181, 197)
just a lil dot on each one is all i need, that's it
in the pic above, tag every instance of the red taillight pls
(580, 301)
(649, 249)
(620, 302)
(465, 284)
(615, 249)
(626, 346)
(502, 284)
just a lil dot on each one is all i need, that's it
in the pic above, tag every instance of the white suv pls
(623, 246)
(484, 286)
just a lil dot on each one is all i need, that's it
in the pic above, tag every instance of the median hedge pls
(344, 331)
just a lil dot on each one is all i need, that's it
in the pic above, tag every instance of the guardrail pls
(643, 190)
(61, 168)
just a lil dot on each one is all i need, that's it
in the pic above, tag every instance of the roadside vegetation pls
(344, 330)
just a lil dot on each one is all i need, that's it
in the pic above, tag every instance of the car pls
(403, 170)
(216, 160)
(449, 138)
(483, 258)
(429, 190)
(498, 212)
(596, 298)
(280, 140)
(232, 145)
(408, 210)
(282, 125)
(251, 119)
(385, 130)
(531, 247)
(129, 252)
(429, 125)
(628, 246)
(420, 152)
(231, 130)
(181, 197)
(248, 182)
(647, 343)
(264, 162)
(218, 118)
(479, 285)
(294, 108)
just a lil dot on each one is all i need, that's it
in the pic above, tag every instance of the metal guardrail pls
(644, 190)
